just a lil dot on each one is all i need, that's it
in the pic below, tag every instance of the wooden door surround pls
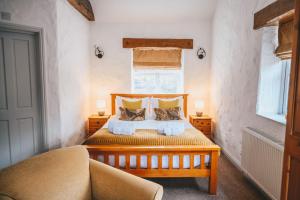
(291, 164)
(282, 11)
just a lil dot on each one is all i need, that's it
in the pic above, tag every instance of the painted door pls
(20, 110)
(291, 165)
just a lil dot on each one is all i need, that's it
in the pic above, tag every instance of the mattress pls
(191, 136)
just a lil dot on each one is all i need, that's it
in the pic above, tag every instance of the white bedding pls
(173, 127)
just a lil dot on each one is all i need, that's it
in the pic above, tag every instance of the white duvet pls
(174, 127)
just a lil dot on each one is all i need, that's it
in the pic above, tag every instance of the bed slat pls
(180, 161)
(105, 158)
(117, 162)
(159, 157)
(170, 161)
(202, 159)
(149, 161)
(127, 161)
(138, 161)
(191, 161)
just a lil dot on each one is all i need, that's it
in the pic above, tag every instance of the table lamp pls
(199, 105)
(101, 105)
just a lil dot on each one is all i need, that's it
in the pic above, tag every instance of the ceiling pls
(153, 11)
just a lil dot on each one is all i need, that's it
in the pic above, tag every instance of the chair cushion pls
(59, 174)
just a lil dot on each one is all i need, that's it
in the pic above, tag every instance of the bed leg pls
(213, 173)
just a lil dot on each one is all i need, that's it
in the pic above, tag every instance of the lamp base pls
(101, 113)
(199, 114)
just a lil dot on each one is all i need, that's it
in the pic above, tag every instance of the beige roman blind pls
(157, 58)
(285, 40)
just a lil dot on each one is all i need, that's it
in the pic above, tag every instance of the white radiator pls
(262, 159)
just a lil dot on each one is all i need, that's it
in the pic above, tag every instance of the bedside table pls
(203, 124)
(95, 122)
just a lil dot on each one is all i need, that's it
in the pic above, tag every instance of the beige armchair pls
(68, 173)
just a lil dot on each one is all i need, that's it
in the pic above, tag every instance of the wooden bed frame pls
(204, 170)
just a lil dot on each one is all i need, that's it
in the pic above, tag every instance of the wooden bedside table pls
(95, 123)
(203, 124)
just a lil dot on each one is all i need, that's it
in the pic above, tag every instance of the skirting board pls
(233, 160)
(237, 164)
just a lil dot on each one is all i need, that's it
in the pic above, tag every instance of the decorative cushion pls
(132, 105)
(132, 115)
(167, 114)
(168, 104)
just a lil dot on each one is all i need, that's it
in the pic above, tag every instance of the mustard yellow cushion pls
(132, 105)
(168, 104)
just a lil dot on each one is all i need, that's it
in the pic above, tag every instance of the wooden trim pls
(148, 42)
(291, 149)
(204, 170)
(166, 96)
(84, 7)
(274, 13)
(39, 37)
(145, 148)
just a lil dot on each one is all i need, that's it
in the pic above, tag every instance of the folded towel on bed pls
(170, 128)
(119, 127)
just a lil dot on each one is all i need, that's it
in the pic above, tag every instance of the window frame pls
(280, 116)
(181, 71)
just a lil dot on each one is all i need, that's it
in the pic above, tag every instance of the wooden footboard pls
(203, 170)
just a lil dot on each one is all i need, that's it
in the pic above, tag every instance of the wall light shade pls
(100, 104)
(199, 105)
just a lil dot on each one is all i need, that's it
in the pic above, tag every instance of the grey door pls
(20, 102)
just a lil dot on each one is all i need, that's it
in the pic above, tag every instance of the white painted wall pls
(66, 57)
(112, 73)
(73, 31)
(235, 74)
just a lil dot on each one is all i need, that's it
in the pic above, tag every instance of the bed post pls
(213, 172)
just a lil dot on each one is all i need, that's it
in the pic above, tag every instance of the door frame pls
(39, 36)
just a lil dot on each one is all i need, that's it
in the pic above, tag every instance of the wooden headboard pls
(165, 96)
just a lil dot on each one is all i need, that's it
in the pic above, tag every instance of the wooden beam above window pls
(275, 12)
(145, 42)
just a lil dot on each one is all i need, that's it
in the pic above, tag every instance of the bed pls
(149, 154)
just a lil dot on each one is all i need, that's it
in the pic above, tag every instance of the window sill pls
(275, 117)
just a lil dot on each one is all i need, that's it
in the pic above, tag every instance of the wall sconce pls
(201, 53)
(98, 52)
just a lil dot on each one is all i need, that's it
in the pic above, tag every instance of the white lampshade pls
(199, 105)
(100, 104)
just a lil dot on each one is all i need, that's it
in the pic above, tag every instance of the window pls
(157, 70)
(274, 78)
(157, 81)
(285, 81)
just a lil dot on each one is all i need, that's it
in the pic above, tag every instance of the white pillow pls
(154, 104)
(145, 104)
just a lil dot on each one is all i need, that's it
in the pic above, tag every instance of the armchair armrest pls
(112, 184)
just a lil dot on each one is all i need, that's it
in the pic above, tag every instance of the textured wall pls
(66, 57)
(42, 14)
(73, 32)
(235, 73)
(113, 72)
